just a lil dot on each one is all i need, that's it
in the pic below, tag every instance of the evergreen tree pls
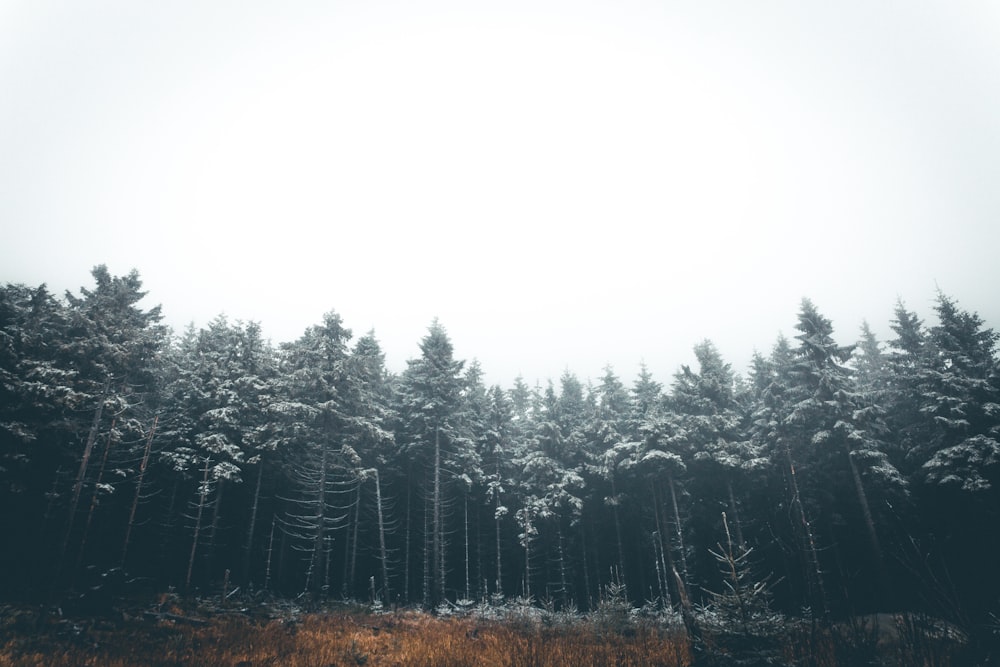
(609, 444)
(214, 419)
(43, 407)
(961, 399)
(776, 436)
(373, 397)
(497, 446)
(114, 346)
(949, 384)
(746, 630)
(711, 422)
(434, 435)
(313, 399)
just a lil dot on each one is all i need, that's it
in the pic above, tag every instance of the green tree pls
(315, 434)
(434, 435)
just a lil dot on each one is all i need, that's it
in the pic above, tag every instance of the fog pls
(565, 185)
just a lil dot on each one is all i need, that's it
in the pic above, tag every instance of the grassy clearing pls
(323, 640)
(179, 633)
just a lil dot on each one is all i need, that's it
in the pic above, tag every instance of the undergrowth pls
(516, 634)
(327, 639)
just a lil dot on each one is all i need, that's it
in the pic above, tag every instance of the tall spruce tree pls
(114, 344)
(213, 421)
(434, 435)
(709, 419)
(313, 401)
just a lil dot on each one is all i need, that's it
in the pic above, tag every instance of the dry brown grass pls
(324, 640)
(176, 635)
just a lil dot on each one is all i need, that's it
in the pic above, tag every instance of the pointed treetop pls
(907, 327)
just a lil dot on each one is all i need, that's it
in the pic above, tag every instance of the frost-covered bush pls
(738, 624)
(614, 612)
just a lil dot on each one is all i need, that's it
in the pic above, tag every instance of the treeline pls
(858, 477)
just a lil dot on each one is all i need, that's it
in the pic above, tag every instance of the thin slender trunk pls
(169, 533)
(618, 534)
(584, 561)
(665, 558)
(563, 579)
(678, 531)
(94, 497)
(810, 539)
(427, 557)
(270, 554)
(734, 512)
(527, 554)
(656, 564)
(439, 560)
(214, 530)
(348, 533)
(687, 611)
(138, 489)
(481, 582)
(248, 549)
(468, 588)
(317, 560)
(883, 576)
(406, 559)
(865, 510)
(381, 539)
(81, 475)
(327, 561)
(282, 557)
(496, 521)
(202, 495)
(353, 561)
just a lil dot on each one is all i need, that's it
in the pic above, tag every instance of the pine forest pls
(838, 477)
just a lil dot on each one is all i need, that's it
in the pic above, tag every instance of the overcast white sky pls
(564, 184)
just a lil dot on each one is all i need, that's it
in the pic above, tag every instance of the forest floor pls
(186, 634)
(172, 631)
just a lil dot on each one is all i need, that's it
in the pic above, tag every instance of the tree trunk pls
(138, 489)
(353, 560)
(527, 553)
(563, 579)
(809, 538)
(248, 549)
(94, 497)
(678, 531)
(202, 495)
(734, 512)
(327, 562)
(406, 558)
(865, 510)
(618, 535)
(428, 558)
(867, 514)
(318, 558)
(586, 566)
(496, 520)
(168, 535)
(214, 531)
(270, 554)
(439, 560)
(81, 475)
(665, 558)
(481, 582)
(381, 540)
(282, 556)
(468, 588)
